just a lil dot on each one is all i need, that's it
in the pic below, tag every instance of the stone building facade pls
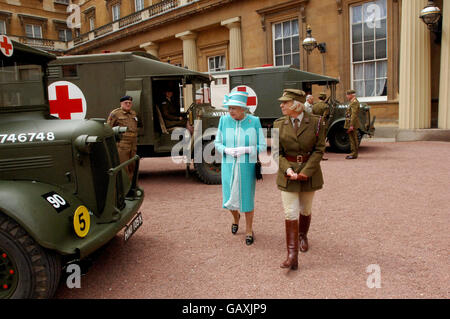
(380, 48)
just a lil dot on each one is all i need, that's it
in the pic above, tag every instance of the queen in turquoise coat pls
(239, 139)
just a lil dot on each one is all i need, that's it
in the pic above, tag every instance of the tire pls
(339, 140)
(209, 173)
(36, 272)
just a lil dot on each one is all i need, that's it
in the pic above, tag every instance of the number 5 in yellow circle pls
(81, 221)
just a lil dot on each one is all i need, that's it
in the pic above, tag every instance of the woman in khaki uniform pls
(299, 152)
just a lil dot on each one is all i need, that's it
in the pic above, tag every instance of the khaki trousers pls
(353, 137)
(295, 204)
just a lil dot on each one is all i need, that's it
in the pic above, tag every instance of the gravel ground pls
(389, 208)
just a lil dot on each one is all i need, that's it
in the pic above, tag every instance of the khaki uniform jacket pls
(322, 109)
(119, 117)
(352, 115)
(310, 139)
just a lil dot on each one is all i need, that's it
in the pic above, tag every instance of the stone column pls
(415, 69)
(444, 88)
(190, 60)
(151, 48)
(189, 49)
(234, 25)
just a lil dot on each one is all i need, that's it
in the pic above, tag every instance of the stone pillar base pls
(422, 135)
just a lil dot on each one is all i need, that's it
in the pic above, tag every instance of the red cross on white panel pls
(6, 46)
(252, 101)
(66, 101)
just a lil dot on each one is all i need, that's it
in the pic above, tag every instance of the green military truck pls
(97, 81)
(63, 192)
(266, 84)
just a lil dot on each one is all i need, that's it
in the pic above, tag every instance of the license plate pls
(133, 226)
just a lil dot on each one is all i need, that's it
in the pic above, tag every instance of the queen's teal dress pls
(238, 174)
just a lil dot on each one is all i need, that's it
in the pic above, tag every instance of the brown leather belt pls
(298, 158)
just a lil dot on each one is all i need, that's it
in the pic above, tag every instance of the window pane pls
(295, 44)
(277, 30)
(294, 27)
(381, 49)
(37, 32)
(369, 31)
(358, 86)
(369, 71)
(287, 59)
(358, 71)
(68, 35)
(370, 88)
(62, 35)
(357, 14)
(286, 29)
(381, 31)
(382, 69)
(383, 8)
(278, 47)
(287, 45)
(369, 50)
(381, 87)
(279, 60)
(29, 30)
(211, 64)
(357, 52)
(357, 32)
(296, 60)
(2, 27)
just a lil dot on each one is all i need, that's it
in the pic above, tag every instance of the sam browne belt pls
(298, 158)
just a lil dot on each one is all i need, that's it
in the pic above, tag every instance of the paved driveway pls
(386, 213)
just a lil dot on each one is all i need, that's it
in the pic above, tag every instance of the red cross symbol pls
(63, 106)
(251, 101)
(6, 46)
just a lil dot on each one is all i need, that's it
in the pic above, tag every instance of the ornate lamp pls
(309, 44)
(431, 16)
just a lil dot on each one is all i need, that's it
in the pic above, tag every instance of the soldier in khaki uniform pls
(322, 109)
(352, 123)
(125, 116)
(301, 146)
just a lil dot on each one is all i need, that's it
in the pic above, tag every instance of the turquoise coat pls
(232, 133)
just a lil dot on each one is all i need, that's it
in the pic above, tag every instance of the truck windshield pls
(21, 85)
(202, 93)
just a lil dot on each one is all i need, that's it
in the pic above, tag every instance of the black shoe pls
(249, 239)
(235, 227)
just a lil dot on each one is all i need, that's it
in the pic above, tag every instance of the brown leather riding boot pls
(292, 245)
(303, 228)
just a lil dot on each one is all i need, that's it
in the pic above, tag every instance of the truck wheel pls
(27, 270)
(209, 173)
(339, 140)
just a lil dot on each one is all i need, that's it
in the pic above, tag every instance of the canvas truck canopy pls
(139, 64)
(24, 55)
(292, 74)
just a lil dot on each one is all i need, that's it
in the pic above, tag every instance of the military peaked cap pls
(293, 94)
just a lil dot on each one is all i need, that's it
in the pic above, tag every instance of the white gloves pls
(237, 151)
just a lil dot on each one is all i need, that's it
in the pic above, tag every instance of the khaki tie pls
(296, 125)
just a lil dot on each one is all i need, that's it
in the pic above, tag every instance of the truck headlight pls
(83, 142)
(118, 131)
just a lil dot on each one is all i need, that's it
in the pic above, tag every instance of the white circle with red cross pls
(252, 101)
(6, 46)
(66, 101)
